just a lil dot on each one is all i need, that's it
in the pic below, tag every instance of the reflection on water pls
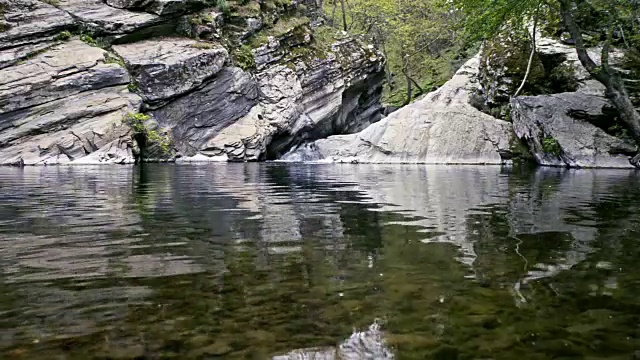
(282, 261)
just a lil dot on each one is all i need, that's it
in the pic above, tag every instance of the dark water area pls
(255, 261)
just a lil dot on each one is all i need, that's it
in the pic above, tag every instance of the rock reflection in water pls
(368, 344)
(258, 260)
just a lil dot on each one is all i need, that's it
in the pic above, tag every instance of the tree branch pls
(533, 51)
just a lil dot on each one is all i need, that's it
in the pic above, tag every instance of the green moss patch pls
(551, 146)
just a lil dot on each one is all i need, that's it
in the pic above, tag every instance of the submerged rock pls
(442, 128)
(561, 130)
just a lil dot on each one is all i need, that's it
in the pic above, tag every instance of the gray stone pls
(14, 55)
(66, 130)
(206, 25)
(64, 104)
(562, 118)
(30, 21)
(279, 108)
(368, 344)
(197, 117)
(321, 97)
(168, 67)
(64, 70)
(441, 128)
(158, 7)
(30, 27)
(100, 18)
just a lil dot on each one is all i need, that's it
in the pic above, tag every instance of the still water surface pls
(234, 261)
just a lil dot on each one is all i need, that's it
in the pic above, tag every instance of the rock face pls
(28, 27)
(293, 98)
(158, 7)
(62, 105)
(561, 130)
(99, 18)
(565, 119)
(305, 99)
(199, 116)
(266, 84)
(168, 67)
(441, 128)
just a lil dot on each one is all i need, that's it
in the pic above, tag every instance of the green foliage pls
(418, 38)
(88, 39)
(243, 58)
(618, 130)
(99, 42)
(484, 19)
(138, 124)
(52, 2)
(285, 25)
(63, 36)
(551, 146)
(136, 121)
(223, 6)
(114, 59)
(133, 87)
(302, 9)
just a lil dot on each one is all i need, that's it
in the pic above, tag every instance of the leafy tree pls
(417, 36)
(484, 18)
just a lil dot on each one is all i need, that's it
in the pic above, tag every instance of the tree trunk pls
(344, 16)
(615, 90)
(409, 91)
(386, 64)
(405, 71)
(533, 52)
(333, 12)
(420, 91)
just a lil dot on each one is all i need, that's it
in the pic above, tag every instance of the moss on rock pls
(504, 64)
